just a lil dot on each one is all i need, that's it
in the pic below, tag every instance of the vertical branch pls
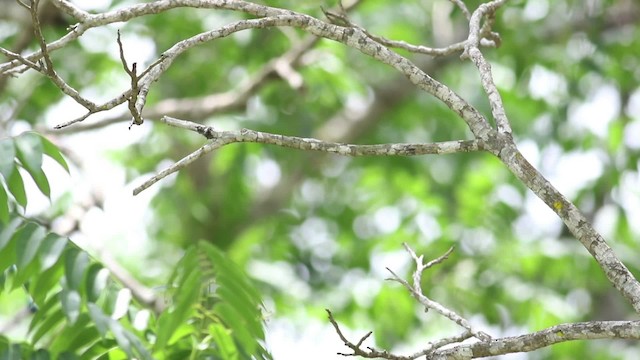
(135, 90)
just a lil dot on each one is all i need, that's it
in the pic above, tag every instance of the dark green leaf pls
(40, 354)
(67, 356)
(95, 282)
(12, 352)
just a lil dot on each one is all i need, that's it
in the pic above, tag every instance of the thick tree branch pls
(487, 346)
(617, 273)
(554, 335)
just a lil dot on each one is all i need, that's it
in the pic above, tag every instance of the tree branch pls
(222, 138)
(416, 292)
(487, 346)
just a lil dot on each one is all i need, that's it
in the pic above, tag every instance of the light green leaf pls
(99, 318)
(49, 323)
(27, 243)
(224, 342)
(30, 150)
(16, 187)
(4, 205)
(234, 321)
(71, 302)
(53, 152)
(7, 154)
(66, 339)
(52, 246)
(46, 282)
(7, 231)
(41, 181)
(29, 239)
(188, 294)
(74, 268)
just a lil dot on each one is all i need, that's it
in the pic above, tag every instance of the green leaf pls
(250, 315)
(30, 150)
(16, 187)
(100, 350)
(41, 181)
(29, 239)
(7, 231)
(225, 266)
(225, 346)
(99, 318)
(40, 354)
(86, 336)
(7, 154)
(126, 340)
(52, 246)
(65, 340)
(45, 311)
(74, 268)
(234, 321)
(46, 282)
(53, 152)
(26, 248)
(142, 352)
(49, 324)
(4, 205)
(71, 303)
(95, 282)
(12, 352)
(170, 320)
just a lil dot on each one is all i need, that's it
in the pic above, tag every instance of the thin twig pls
(369, 353)
(460, 4)
(416, 292)
(135, 90)
(342, 20)
(486, 77)
(47, 68)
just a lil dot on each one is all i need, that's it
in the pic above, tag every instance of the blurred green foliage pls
(328, 219)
